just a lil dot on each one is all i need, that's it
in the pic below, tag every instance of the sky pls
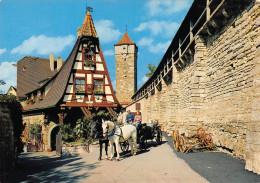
(40, 27)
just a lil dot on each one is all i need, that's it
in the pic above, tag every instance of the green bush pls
(104, 115)
(67, 132)
(35, 129)
(82, 128)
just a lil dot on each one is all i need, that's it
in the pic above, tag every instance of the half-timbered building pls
(71, 89)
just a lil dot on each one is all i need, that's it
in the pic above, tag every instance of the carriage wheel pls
(209, 141)
(183, 144)
(124, 146)
(176, 140)
(201, 133)
(143, 143)
(159, 137)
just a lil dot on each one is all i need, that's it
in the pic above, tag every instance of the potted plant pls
(89, 63)
(31, 101)
(39, 98)
(80, 90)
(98, 91)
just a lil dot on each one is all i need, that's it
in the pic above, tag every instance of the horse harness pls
(113, 132)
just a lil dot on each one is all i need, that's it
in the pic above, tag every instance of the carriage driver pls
(129, 117)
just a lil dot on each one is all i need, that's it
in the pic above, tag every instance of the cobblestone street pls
(157, 164)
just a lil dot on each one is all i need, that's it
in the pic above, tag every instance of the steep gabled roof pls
(61, 79)
(30, 72)
(125, 40)
(59, 83)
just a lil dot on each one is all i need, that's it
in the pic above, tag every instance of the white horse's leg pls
(130, 141)
(134, 136)
(111, 150)
(117, 150)
(135, 144)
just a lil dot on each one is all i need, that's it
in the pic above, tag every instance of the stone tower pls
(126, 69)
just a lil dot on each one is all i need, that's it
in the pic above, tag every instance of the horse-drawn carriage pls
(145, 132)
(124, 136)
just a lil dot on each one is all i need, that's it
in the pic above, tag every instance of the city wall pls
(219, 90)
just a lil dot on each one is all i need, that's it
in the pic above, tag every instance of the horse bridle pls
(111, 133)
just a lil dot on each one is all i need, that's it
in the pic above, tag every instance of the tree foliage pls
(104, 115)
(16, 116)
(152, 69)
(34, 130)
(67, 132)
(82, 128)
(2, 82)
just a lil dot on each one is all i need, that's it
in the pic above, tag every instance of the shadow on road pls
(141, 151)
(46, 169)
(216, 166)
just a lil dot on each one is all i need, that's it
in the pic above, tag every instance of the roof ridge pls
(59, 82)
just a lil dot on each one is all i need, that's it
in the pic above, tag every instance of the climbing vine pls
(16, 116)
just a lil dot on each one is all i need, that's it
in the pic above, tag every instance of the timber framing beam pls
(85, 110)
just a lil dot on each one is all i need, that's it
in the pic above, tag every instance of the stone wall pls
(253, 126)
(218, 91)
(7, 151)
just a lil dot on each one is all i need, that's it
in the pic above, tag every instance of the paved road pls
(158, 164)
(217, 167)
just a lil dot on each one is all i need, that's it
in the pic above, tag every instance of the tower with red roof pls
(126, 69)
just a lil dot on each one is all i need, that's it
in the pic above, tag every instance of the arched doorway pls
(54, 132)
(51, 135)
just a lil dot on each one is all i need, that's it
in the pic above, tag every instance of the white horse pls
(118, 134)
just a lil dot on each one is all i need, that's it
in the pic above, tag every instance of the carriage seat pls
(152, 127)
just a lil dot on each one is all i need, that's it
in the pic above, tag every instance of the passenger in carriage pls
(138, 119)
(130, 117)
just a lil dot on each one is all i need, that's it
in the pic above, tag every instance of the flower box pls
(38, 99)
(80, 91)
(89, 68)
(88, 63)
(99, 92)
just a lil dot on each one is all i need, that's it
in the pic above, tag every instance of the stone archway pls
(51, 130)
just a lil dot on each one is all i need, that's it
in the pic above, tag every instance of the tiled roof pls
(58, 87)
(30, 71)
(88, 28)
(125, 40)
